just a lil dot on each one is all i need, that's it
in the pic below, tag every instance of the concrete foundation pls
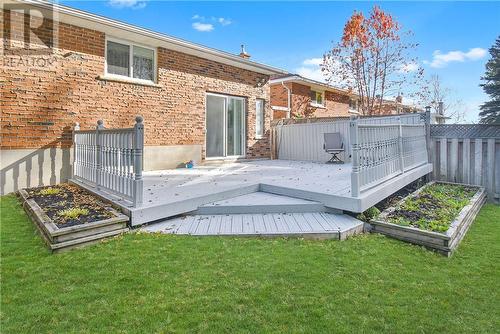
(27, 168)
(167, 157)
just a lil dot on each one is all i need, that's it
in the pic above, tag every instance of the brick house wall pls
(279, 95)
(40, 105)
(335, 104)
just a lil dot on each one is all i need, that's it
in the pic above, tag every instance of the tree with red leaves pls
(373, 60)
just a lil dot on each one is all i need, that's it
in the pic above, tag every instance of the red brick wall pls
(335, 104)
(279, 95)
(40, 105)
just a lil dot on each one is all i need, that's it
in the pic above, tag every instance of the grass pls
(160, 284)
(434, 208)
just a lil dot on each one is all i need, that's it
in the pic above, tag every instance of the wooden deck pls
(173, 192)
(318, 225)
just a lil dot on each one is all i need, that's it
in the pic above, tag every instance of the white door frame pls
(224, 129)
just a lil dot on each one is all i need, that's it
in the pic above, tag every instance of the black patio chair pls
(334, 146)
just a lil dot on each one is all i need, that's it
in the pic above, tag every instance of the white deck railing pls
(383, 151)
(304, 141)
(111, 160)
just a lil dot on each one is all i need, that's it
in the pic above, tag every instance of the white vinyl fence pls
(111, 160)
(467, 153)
(304, 141)
(383, 151)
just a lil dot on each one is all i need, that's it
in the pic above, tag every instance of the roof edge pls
(299, 78)
(223, 55)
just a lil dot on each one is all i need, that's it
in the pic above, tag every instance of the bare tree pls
(442, 101)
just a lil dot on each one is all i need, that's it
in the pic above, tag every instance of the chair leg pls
(335, 159)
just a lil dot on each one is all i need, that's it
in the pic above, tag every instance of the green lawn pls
(158, 283)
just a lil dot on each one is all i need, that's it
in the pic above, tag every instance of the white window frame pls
(263, 121)
(314, 103)
(131, 45)
(356, 103)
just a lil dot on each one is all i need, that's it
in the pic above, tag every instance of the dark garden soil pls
(399, 195)
(434, 208)
(54, 199)
(392, 200)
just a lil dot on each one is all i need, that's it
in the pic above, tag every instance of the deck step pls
(315, 225)
(260, 202)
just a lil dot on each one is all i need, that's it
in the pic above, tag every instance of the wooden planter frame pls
(444, 243)
(61, 239)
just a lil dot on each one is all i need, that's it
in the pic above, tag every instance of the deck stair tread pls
(260, 202)
(309, 224)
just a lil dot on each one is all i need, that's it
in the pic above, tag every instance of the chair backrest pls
(333, 141)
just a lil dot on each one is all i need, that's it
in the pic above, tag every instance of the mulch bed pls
(69, 196)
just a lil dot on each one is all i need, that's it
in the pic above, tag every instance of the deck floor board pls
(257, 224)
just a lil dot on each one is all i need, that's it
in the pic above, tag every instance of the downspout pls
(289, 100)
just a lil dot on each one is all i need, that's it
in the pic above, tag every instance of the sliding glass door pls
(225, 126)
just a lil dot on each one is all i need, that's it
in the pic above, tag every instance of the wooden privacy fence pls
(302, 139)
(383, 151)
(111, 159)
(467, 153)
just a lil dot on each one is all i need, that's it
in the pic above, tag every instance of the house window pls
(129, 60)
(353, 104)
(317, 97)
(259, 118)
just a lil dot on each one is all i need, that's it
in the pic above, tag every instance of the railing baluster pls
(111, 159)
(380, 151)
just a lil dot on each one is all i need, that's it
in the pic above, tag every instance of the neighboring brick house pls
(197, 102)
(293, 96)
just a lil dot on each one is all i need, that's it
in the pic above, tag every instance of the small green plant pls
(434, 208)
(49, 191)
(369, 214)
(73, 213)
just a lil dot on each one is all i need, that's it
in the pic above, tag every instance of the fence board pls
(478, 161)
(453, 160)
(468, 154)
(443, 161)
(490, 167)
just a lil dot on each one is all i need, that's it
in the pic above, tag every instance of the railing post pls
(98, 165)
(400, 145)
(354, 138)
(138, 149)
(428, 133)
(76, 128)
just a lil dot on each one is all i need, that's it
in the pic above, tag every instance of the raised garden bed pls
(436, 216)
(67, 216)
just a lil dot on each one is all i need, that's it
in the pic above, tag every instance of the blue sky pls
(453, 36)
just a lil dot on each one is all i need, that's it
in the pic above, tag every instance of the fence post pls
(98, 165)
(400, 145)
(76, 128)
(273, 141)
(138, 149)
(353, 134)
(428, 134)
